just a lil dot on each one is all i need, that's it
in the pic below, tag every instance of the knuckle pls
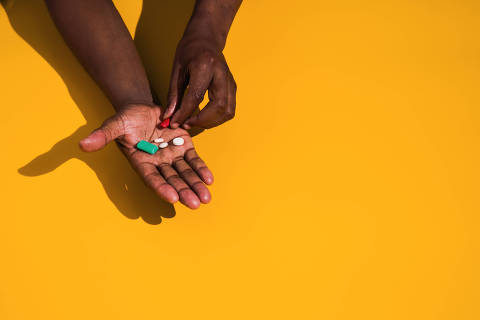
(201, 66)
(108, 129)
(193, 96)
(221, 68)
(221, 108)
(108, 132)
(224, 112)
(197, 94)
(229, 114)
(203, 63)
(208, 57)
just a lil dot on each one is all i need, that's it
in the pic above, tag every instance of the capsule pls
(165, 123)
(147, 147)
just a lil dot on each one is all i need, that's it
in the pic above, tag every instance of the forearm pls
(96, 34)
(211, 21)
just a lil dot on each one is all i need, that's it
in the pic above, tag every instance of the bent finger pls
(197, 86)
(221, 107)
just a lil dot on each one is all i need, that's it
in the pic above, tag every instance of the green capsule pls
(147, 147)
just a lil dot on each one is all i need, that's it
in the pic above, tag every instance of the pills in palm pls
(178, 141)
(158, 140)
(163, 145)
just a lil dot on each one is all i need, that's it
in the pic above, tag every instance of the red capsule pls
(165, 123)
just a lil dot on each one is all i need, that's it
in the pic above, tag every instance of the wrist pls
(131, 96)
(132, 104)
(203, 29)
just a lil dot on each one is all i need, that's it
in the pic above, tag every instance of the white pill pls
(158, 140)
(163, 145)
(178, 141)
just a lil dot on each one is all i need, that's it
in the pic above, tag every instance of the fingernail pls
(174, 125)
(186, 126)
(86, 140)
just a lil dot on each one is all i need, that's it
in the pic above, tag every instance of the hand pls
(174, 173)
(199, 66)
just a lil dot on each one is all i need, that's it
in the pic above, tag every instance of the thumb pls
(172, 103)
(111, 129)
(173, 92)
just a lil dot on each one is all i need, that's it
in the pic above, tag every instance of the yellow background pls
(346, 186)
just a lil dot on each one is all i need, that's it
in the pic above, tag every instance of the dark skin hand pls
(200, 66)
(174, 173)
(96, 34)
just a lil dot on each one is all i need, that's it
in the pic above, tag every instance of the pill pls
(147, 147)
(158, 140)
(178, 141)
(165, 123)
(163, 145)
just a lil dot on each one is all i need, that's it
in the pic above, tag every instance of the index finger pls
(198, 83)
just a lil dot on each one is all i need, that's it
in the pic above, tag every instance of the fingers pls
(200, 78)
(199, 166)
(175, 91)
(221, 107)
(111, 129)
(192, 180)
(154, 180)
(187, 196)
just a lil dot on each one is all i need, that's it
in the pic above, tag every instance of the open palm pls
(174, 173)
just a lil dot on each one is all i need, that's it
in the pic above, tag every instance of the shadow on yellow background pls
(156, 39)
(357, 200)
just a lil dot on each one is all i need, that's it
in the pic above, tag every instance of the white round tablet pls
(158, 140)
(178, 141)
(163, 145)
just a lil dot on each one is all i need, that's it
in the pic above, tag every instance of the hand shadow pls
(160, 27)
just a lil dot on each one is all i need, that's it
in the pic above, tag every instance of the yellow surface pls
(347, 187)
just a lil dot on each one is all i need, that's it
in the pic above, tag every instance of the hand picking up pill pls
(139, 120)
(151, 148)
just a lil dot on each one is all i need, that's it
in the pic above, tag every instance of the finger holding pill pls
(165, 123)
